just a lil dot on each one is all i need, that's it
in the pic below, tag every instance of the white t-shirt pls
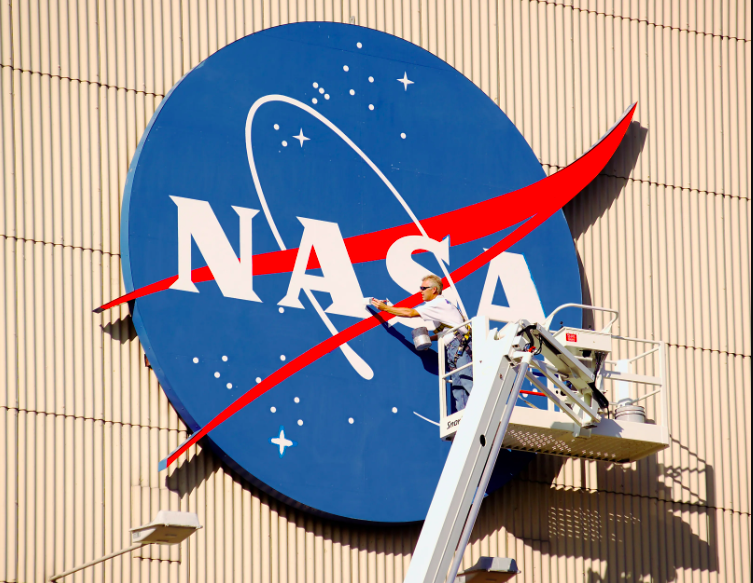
(438, 311)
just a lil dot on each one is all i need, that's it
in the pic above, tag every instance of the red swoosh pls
(487, 217)
(546, 196)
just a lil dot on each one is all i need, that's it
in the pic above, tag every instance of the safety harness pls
(465, 344)
(465, 339)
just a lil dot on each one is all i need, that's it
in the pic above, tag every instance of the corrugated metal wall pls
(663, 235)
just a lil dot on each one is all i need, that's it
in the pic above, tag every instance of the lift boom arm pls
(500, 366)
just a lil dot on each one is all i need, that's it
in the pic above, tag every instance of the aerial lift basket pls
(625, 432)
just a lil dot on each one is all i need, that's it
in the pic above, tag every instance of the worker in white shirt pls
(441, 315)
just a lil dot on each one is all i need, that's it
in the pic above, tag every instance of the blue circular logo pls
(285, 179)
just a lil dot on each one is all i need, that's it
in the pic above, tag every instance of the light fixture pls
(497, 569)
(168, 528)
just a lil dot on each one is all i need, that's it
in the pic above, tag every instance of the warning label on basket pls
(571, 337)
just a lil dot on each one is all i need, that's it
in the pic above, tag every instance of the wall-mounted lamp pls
(168, 528)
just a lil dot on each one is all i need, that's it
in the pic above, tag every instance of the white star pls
(282, 441)
(301, 138)
(405, 81)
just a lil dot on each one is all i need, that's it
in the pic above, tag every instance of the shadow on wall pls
(585, 209)
(121, 330)
(629, 527)
(190, 473)
(618, 535)
(397, 541)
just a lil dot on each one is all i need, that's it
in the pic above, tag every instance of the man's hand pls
(404, 312)
(379, 304)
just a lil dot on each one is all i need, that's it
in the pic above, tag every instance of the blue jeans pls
(461, 382)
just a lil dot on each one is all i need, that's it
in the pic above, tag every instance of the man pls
(440, 315)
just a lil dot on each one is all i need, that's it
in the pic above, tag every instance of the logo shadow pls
(583, 211)
(121, 330)
(623, 530)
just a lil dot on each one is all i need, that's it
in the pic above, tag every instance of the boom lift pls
(569, 367)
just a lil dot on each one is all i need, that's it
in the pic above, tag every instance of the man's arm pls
(403, 312)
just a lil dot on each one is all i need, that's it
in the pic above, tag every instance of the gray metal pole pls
(489, 468)
(100, 560)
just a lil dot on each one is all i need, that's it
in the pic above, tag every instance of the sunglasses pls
(422, 288)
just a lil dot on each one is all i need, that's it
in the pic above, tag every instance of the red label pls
(571, 337)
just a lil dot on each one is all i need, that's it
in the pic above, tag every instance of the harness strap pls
(465, 344)
(442, 326)
(464, 337)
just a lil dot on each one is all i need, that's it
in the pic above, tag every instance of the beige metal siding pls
(663, 235)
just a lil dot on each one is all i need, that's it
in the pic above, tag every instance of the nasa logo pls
(286, 177)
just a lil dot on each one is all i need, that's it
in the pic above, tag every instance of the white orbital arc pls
(358, 363)
(260, 192)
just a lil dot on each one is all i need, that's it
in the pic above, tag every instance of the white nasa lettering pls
(512, 271)
(197, 220)
(338, 276)
(407, 273)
